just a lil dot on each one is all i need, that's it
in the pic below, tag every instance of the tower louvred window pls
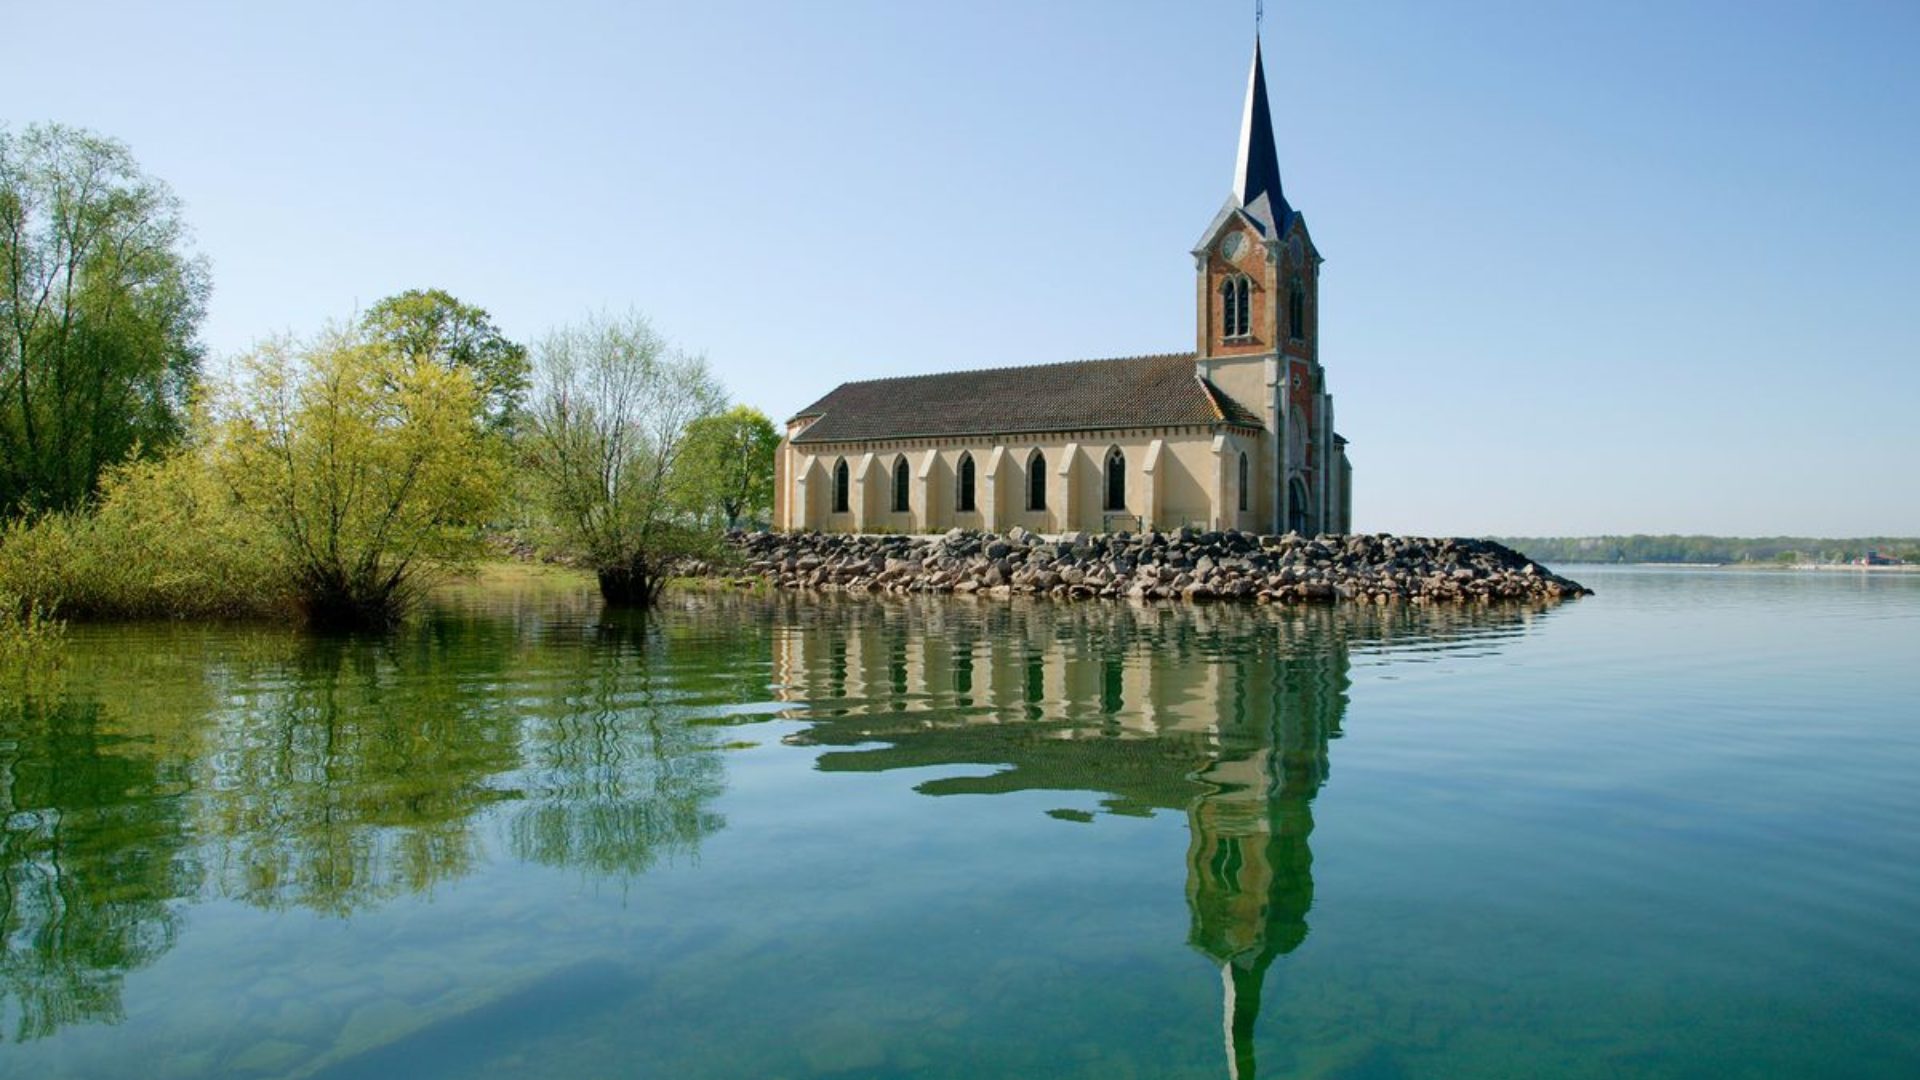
(1236, 311)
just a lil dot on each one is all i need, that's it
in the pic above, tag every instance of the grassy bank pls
(518, 574)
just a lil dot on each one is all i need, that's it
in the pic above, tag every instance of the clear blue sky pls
(1637, 266)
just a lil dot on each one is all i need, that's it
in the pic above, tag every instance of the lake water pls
(1667, 830)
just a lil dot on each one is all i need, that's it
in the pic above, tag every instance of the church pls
(1237, 434)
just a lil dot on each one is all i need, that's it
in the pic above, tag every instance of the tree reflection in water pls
(92, 855)
(623, 775)
(353, 775)
(1224, 713)
(331, 775)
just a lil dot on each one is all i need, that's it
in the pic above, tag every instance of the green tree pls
(730, 464)
(99, 309)
(605, 443)
(457, 336)
(367, 466)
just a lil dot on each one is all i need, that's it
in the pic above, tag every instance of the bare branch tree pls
(612, 403)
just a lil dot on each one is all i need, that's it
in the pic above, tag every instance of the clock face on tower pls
(1296, 251)
(1230, 247)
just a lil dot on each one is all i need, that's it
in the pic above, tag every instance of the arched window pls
(1297, 311)
(1037, 481)
(842, 483)
(1243, 480)
(900, 504)
(1236, 309)
(1116, 480)
(963, 496)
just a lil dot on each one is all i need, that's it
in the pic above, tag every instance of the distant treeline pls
(1710, 549)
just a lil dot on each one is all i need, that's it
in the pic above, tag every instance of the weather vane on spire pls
(1259, 12)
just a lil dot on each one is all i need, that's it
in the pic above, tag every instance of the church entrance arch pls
(1299, 511)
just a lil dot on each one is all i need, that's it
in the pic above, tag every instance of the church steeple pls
(1256, 173)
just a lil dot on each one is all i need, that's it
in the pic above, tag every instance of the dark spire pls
(1257, 172)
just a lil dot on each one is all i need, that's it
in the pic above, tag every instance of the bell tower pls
(1256, 302)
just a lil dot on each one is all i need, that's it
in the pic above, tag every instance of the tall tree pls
(606, 442)
(100, 305)
(431, 323)
(730, 459)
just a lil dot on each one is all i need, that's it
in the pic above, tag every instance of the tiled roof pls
(1086, 395)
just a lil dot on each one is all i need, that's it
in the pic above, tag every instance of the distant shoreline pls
(1672, 549)
(1907, 568)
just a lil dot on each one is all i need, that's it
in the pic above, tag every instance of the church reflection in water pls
(1224, 713)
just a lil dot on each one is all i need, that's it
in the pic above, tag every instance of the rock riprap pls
(1183, 564)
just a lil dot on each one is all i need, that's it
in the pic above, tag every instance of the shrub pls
(165, 539)
(30, 637)
(365, 468)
